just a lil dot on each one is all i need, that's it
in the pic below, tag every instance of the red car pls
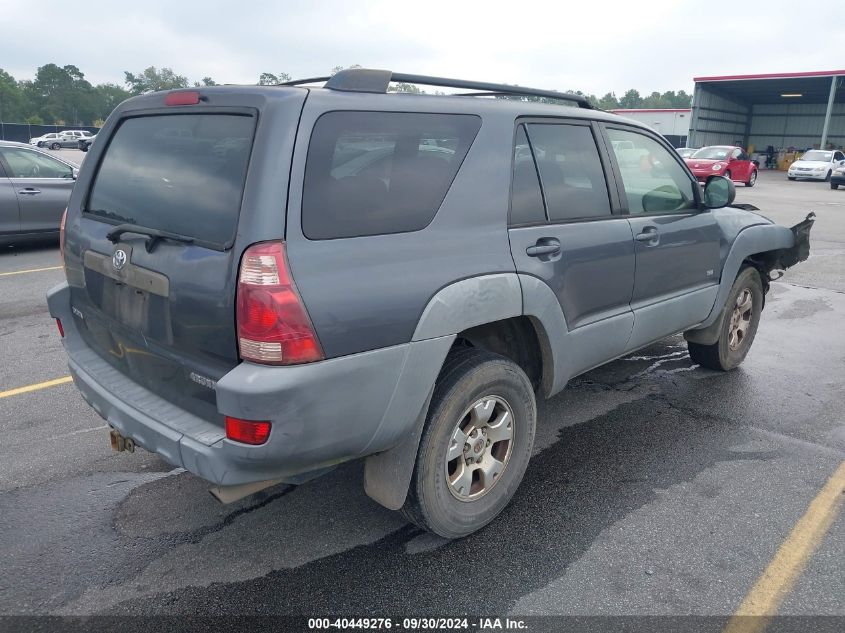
(723, 160)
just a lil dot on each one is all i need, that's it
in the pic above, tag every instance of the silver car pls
(34, 190)
(69, 139)
(45, 139)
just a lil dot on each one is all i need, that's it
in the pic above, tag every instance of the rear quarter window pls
(373, 173)
(182, 173)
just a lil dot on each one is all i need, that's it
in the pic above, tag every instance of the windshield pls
(182, 173)
(818, 155)
(713, 153)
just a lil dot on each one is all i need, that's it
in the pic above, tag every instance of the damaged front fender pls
(787, 257)
(766, 247)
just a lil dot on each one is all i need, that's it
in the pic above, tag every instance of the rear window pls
(372, 173)
(182, 173)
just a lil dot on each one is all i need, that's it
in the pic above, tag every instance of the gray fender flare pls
(755, 239)
(541, 305)
(454, 308)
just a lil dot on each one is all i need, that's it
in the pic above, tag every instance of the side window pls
(372, 173)
(26, 164)
(526, 197)
(570, 171)
(737, 154)
(654, 181)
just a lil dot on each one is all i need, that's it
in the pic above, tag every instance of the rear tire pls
(834, 186)
(739, 325)
(452, 494)
(55, 146)
(752, 179)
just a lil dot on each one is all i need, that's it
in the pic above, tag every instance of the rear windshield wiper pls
(154, 235)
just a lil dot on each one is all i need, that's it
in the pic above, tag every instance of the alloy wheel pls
(479, 448)
(740, 319)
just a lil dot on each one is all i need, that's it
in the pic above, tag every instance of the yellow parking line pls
(35, 387)
(765, 597)
(31, 270)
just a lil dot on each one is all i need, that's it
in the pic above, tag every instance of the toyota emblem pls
(118, 260)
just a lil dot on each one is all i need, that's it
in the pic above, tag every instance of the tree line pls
(61, 95)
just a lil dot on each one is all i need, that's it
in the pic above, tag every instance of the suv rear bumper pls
(322, 413)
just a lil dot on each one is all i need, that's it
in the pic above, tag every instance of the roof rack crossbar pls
(378, 81)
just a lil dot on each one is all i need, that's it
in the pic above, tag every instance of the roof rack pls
(378, 81)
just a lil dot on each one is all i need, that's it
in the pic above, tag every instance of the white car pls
(816, 164)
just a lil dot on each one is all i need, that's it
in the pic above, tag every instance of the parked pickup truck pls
(264, 282)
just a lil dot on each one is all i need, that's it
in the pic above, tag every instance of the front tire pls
(834, 186)
(55, 146)
(791, 177)
(739, 325)
(475, 446)
(727, 174)
(827, 177)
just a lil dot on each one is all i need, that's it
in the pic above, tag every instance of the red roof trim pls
(816, 73)
(620, 110)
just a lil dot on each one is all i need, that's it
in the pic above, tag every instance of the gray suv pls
(264, 282)
(34, 191)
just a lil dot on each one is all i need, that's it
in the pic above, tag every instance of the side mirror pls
(719, 192)
(74, 173)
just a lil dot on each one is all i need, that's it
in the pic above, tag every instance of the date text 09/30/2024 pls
(418, 624)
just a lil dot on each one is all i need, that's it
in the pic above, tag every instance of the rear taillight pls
(62, 236)
(273, 326)
(247, 431)
(61, 329)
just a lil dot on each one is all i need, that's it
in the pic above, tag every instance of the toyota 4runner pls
(264, 282)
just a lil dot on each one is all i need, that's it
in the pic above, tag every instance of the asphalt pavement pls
(657, 487)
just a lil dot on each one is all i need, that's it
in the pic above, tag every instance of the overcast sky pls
(595, 46)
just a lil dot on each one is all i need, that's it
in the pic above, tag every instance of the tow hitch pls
(120, 443)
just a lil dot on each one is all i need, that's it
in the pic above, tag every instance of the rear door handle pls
(544, 246)
(650, 235)
(29, 191)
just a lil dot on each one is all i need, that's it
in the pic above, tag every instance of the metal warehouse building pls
(781, 110)
(671, 123)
